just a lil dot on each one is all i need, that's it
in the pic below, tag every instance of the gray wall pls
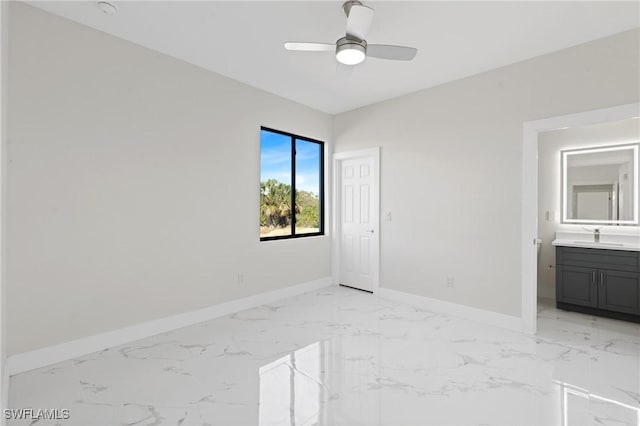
(134, 185)
(4, 378)
(549, 187)
(451, 166)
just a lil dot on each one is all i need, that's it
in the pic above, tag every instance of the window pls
(291, 185)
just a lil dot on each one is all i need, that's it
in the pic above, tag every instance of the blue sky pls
(275, 150)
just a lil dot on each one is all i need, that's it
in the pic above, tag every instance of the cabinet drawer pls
(617, 260)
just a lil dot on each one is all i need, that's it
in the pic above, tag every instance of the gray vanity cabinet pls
(598, 281)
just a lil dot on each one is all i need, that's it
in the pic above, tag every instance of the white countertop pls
(608, 241)
(591, 244)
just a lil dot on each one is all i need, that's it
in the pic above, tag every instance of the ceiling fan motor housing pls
(348, 4)
(350, 51)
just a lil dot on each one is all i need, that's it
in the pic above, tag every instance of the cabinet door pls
(618, 291)
(577, 285)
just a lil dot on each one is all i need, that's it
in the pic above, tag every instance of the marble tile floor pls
(342, 357)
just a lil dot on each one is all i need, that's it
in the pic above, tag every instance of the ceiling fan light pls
(350, 53)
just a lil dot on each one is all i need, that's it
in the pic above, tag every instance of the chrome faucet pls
(596, 235)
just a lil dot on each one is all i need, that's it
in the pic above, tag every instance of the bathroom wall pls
(549, 186)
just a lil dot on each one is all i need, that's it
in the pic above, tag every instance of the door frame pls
(530, 133)
(336, 231)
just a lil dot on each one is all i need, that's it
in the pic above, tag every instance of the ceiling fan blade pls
(359, 21)
(310, 47)
(387, 51)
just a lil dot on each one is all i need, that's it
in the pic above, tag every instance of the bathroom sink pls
(626, 242)
(600, 244)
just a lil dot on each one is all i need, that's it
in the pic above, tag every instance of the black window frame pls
(321, 195)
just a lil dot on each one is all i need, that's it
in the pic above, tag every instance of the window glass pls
(307, 187)
(275, 184)
(291, 185)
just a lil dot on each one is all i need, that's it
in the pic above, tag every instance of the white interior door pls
(358, 222)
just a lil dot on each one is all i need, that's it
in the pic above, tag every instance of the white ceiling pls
(244, 40)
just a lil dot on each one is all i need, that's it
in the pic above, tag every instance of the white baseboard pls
(453, 309)
(26, 361)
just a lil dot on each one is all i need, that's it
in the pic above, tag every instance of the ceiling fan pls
(353, 48)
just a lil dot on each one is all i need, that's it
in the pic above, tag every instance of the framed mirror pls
(600, 185)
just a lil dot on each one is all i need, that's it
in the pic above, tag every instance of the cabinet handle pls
(601, 278)
(593, 277)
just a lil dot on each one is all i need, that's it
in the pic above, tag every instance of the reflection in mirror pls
(600, 185)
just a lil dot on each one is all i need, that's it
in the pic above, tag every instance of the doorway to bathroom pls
(542, 195)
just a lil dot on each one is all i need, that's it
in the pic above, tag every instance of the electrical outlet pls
(450, 282)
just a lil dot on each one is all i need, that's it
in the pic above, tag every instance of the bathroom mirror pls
(600, 185)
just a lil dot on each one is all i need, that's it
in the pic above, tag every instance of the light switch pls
(387, 216)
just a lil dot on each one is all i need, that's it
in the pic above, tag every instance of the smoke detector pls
(107, 8)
